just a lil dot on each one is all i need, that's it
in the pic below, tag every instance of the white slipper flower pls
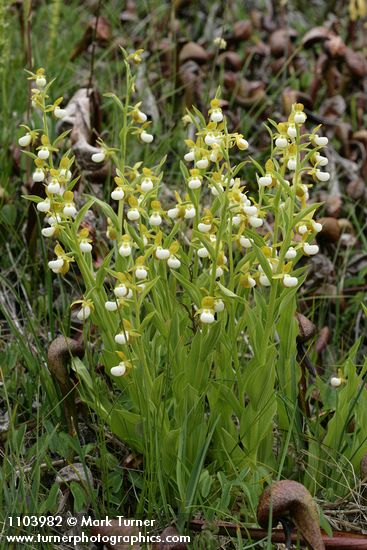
(99, 157)
(291, 253)
(119, 370)
(25, 140)
(207, 317)
(218, 306)
(204, 227)
(162, 253)
(322, 176)
(54, 187)
(320, 141)
(255, 221)
(203, 252)
(264, 281)
(194, 183)
(202, 164)
(289, 281)
(60, 113)
(281, 142)
(84, 313)
(133, 214)
(56, 265)
(125, 249)
(122, 338)
(38, 175)
(146, 185)
(250, 210)
(145, 137)
(292, 164)
(292, 132)
(265, 181)
(190, 156)
(190, 212)
(173, 262)
(120, 291)
(217, 115)
(141, 273)
(44, 206)
(310, 249)
(111, 306)
(117, 194)
(245, 242)
(155, 219)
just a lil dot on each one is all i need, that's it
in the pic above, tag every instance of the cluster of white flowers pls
(239, 235)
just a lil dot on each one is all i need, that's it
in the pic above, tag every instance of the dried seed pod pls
(289, 500)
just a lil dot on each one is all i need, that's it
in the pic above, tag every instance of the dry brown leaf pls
(193, 51)
(242, 30)
(315, 36)
(356, 63)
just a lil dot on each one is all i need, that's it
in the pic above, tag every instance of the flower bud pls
(335, 382)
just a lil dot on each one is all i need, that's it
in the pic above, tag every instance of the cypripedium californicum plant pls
(195, 301)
